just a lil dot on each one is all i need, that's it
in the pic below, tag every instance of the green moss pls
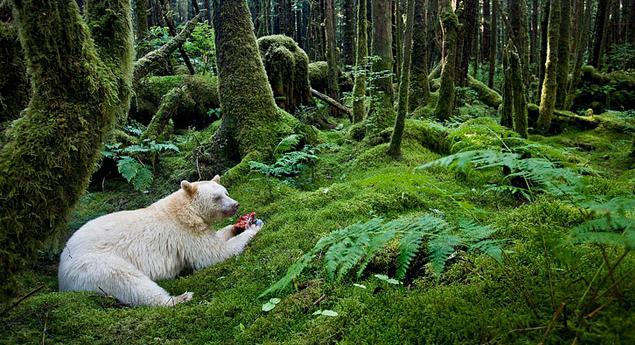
(318, 75)
(477, 134)
(200, 94)
(287, 67)
(14, 84)
(359, 87)
(446, 101)
(486, 95)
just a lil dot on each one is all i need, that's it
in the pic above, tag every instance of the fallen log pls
(331, 102)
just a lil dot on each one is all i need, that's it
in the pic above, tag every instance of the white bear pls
(121, 254)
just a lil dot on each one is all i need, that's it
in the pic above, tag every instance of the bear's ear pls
(216, 179)
(188, 187)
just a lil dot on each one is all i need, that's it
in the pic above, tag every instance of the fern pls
(611, 224)
(356, 245)
(287, 144)
(135, 173)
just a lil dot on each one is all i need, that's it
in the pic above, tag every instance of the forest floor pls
(476, 300)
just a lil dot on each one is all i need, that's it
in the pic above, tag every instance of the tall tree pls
(493, 43)
(601, 24)
(81, 82)
(394, 149)
(533, 32)
(582, 38)
(348, 32)
(397, 36)
(331, 52)
(544, 25)
(550, 84)
(507, 108)
(419, 84)
(381, 114)
(141, 14)
(251, 122)
(520, 100)
(486, 23)
(449, 26)
(468, 27)
(264, 24)
(518, 14)
(563, 53)
(359, 89)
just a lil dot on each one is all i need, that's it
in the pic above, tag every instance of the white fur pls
(123, 253)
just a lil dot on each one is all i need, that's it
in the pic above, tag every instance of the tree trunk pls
(419, 84)
(141, 14)
(348, 35)
(167, 15)
(583, 40)
(381, 114)
(487, 21)
(359, 89)
(264, 24)
(493, 43)
(601, 24)
(398, 37)
(544, 25)
(518, 20)
(508, 90)
(520, 100)
(404, 85)
(449, 25)
(563, 53)
(81, 84)
(15, 90)
(469, 31)
(550, 84)
(251, 122)
(533, 33)
(331, 54)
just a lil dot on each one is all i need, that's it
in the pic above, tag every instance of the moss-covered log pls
(80, 83)
(382, 113)
(287, 67)
(562, 119)
(600, 91)
(153, 60)
(394, 150)
(359, 89)
(252, 124)
(201, 89)
(419, 83)
(14, 84)
(449, 24)
(489, 97)
(550, 83)
(318, 77)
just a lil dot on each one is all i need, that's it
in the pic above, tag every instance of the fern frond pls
(287, 143)
(439, 250)
(409, 246)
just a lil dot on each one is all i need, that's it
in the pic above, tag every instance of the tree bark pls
(141, 14)
(348, 34)
(544, 25)
(601, 24)
(381, 114)
(518, 20)
(167, 16)
(550, 84)
(520, 100)
(331, 53)
(469, 31)
(394, 149)
(81, 83)
(359, 88)
(508, 90)
(485, 42)
(583, 40)
(419, 84)
(493, 43)
(449, 25)
(562, 73)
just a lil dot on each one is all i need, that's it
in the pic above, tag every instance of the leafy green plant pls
(130, 160)
(611, 224)
(267, 307)
(355, 246)
(289, 163)
(522, 174)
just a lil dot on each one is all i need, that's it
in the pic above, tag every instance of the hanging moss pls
(14, 84)
(359, 89)
(53, 148)
(520, 102)
(550, 83)
(419, 84)
(201, 89)
(287, 67)
(446, 101)
(251, 120)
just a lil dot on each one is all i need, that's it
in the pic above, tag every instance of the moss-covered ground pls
(475, 301)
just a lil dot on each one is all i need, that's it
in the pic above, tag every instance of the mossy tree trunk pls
(563, 53)
(348, 32)
(397, 37)
(141, 16)
(544, 25)
(449, 25)
(404, 85)
(550, 84)
(359, 88)
(520, 100)
(251, 122)
(14, 83)
(381, 113)
(508, 91)
(419, 83)
(81, 84)
(264, 22)
(331, 53)
(601, 25)
(583, 39)
(468, 28)
(493, 44)
(518, 15)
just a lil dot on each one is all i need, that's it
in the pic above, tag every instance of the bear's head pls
(209, 199)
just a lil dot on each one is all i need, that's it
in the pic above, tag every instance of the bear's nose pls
(236, 206)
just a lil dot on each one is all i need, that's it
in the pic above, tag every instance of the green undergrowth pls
(476, 300)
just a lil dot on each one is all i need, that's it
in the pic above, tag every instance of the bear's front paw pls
(256, 226)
